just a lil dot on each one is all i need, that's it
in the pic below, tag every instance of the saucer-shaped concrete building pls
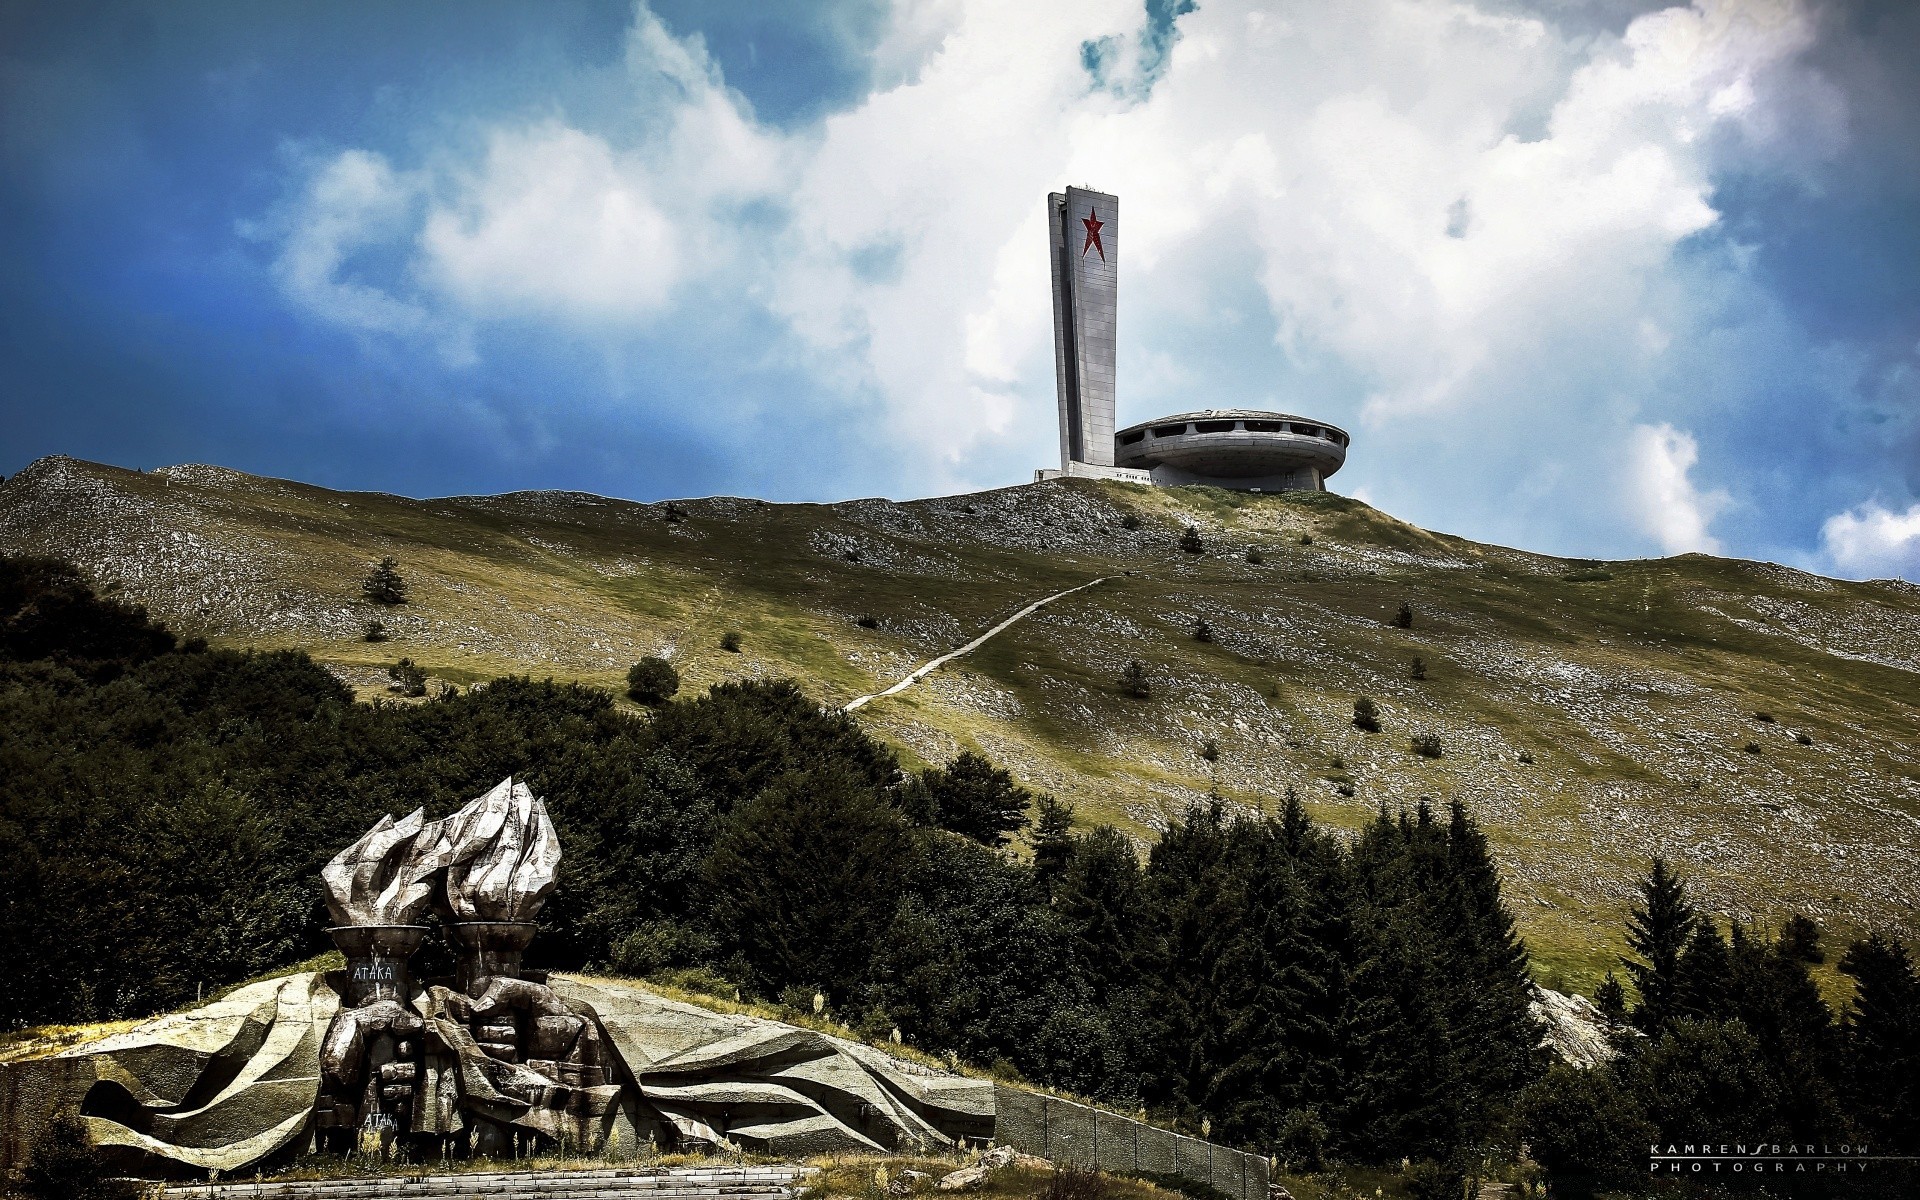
(1240, 448)
(1243, 449)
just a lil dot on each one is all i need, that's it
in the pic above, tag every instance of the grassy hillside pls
(1631, 687)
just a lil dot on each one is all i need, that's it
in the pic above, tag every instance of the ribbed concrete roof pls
(1232, 414)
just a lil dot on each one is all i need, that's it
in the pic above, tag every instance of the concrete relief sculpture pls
(497, 1059)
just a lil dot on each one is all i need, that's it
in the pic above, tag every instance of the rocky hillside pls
(1758, 725)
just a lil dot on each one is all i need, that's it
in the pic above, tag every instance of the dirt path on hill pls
(971, 646)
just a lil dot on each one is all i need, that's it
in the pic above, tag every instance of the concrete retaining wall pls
(1066, 1132)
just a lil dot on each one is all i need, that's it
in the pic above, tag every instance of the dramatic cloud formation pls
(1562, 268)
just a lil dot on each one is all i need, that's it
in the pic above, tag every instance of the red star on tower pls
(1093, 223)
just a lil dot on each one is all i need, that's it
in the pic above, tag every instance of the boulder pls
(1572, 1028)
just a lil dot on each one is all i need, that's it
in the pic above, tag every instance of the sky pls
(1601, 278)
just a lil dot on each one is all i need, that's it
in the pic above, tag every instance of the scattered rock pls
(964, 1180)
(908, 1182)
(998, 1157)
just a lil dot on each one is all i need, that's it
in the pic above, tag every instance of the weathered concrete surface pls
(777, 1088)
(1065, 1132)
(234, 1083)
(217, 1088)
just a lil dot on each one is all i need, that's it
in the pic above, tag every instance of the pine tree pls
(1882, 1070)
(1053, 842)
(1657, 930)
(1189, 875)
(1775, 997)
(1611, 999)
(1401, 1098)
(1366, 715)
(1133, 680)
(1703, 977)
(1490, 1011)
(1800, 938)
(1101, 904)
(384, 584)
(1190, 541)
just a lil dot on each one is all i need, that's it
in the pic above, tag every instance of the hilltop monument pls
(1243, 449)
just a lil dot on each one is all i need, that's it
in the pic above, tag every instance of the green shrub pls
(869, 621)
(1202, 632)
(658, 946)
(1418, 668)
(407, 678)
(1428, 1180)
(1130, 521)
(1751, 747)
(1190, 541)
(1133, 680)
(1254, 556)
(1426, 745)
(1403, 616)
(652, 681)
(373, 631)
(1210, 750)
(1764, 717)
(1805, 739)
(1366, 715)
(730, 641)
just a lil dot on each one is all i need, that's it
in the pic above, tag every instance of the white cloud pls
(1462, 223)
(1668, 504)
(350, 203)
(1872, 541)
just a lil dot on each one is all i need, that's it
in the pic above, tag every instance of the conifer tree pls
(1611, 999)
(1882, 1071)
(1775, 997)
(384, 584)
(1400, 1097)
(1657, 930)
(1703, 976)
(1190, 876)
(1053, 842)
(1491, 988)
(1099, 901)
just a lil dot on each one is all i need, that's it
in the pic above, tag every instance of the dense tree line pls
(165, 809)
(1731, 1043)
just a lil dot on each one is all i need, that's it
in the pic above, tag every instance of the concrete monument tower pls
(1238, 448)
(1083, 227)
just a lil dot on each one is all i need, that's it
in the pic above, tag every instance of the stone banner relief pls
(497, 1059)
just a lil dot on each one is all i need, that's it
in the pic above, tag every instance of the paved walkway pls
(679, 1183)
(971, 646)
